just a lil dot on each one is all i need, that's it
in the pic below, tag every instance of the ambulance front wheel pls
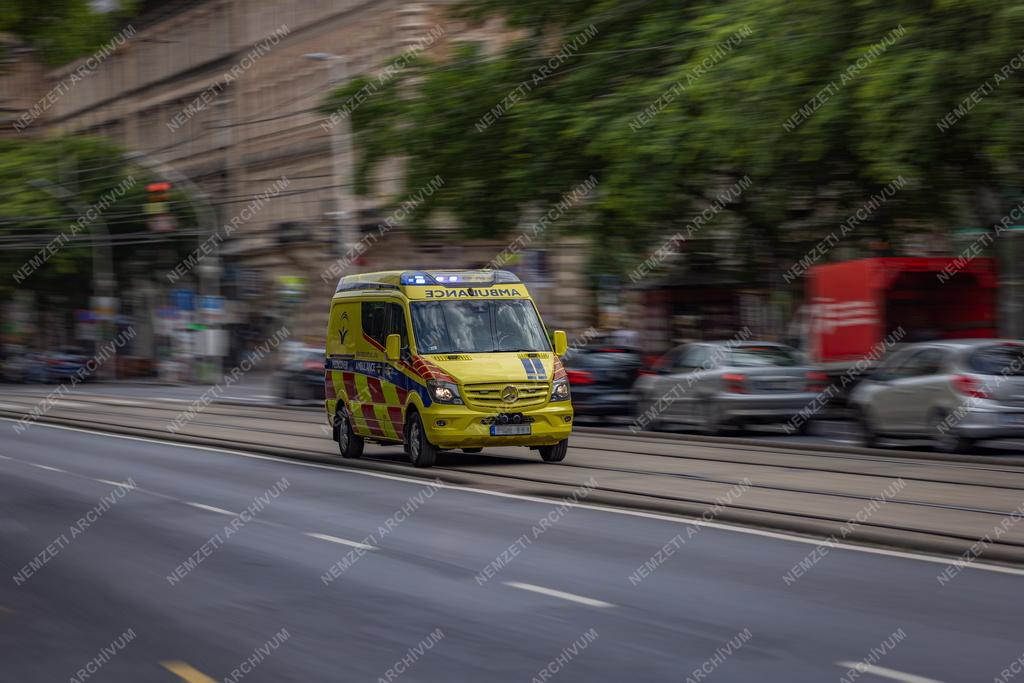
(554, 453)
(421, 452)
(349, 443)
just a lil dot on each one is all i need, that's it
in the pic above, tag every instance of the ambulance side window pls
(375, 320)
(396, 324)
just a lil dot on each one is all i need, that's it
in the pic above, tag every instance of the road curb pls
(819, 529)
(1014, 460)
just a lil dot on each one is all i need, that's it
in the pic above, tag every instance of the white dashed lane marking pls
(882, 672)
(122, 484)
(210, 508)
(674, 519)
(340, 541)
(571, 597)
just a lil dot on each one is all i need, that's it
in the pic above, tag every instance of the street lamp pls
(342, 156)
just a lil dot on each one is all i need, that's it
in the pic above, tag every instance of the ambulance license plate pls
(510, 430)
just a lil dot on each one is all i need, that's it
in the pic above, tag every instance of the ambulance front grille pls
(489, 396)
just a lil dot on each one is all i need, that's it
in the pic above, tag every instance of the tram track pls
(780, 497)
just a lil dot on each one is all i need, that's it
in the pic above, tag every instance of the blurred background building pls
(224, 93)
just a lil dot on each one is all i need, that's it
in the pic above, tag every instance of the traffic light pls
(158, 207)
(159, 192)
(158, 195)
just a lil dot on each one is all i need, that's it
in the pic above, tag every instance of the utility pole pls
(342, 159)
(209, 268)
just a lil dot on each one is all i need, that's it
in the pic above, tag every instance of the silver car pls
(955, 393)
(717, 385)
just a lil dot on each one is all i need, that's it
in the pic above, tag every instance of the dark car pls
(601, 379)
(67, 362)
(301, 377)
(22, 365)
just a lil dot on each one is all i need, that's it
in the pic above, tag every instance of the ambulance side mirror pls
(561, 343)
(393, 347)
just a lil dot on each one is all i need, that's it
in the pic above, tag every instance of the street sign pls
(183, 299)
(212, 309)
(211, 303)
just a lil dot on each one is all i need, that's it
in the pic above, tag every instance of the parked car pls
(301, 377)
(601, 379)
(65, 362)
(720, 385)
(22, 365)
(954, 393)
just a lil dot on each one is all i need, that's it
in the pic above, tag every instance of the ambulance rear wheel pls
(554, 453)
(422, 453)
(349, 443)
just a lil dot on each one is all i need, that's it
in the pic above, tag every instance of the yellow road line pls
(186, 672)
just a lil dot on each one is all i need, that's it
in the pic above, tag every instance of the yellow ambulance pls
(441, 361)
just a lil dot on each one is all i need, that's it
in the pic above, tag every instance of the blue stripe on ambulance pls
(534, 368)
(382, 371)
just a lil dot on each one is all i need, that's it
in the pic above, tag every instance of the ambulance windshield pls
(478, 326)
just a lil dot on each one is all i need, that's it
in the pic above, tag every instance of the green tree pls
(48, 184)
(716, 86)
(62, 30)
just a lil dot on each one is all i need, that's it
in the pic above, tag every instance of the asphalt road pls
(934, 505)
(557, 603)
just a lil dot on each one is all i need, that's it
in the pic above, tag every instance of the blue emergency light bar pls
(464, 277)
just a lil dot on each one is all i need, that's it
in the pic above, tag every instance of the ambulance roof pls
(399, 279)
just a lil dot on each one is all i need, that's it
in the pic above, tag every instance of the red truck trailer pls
(856, 306)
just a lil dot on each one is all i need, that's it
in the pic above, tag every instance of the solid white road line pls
(676, 519)
(210, 508)
(882, 672)
(340, 541)
(571, 597)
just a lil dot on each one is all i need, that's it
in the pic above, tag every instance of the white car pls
(955, 393)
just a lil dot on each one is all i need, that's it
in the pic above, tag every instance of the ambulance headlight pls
(560, 391)
(444, 392)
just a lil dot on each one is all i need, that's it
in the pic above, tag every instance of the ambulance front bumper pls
(455, 426)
